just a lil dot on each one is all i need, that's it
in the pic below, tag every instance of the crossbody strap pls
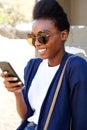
(55, 96)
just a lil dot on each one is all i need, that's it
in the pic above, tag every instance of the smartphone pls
(6, 66)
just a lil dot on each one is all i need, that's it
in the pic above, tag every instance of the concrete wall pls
(77, 38)
(76, 10)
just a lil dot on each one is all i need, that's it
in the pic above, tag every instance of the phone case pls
(6, 66)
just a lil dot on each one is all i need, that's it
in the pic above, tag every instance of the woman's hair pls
(51, 9)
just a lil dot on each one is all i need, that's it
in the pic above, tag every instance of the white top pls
(39, 87)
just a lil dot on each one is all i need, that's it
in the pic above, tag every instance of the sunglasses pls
(42, 37)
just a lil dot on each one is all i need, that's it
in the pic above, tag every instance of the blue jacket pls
(71, 104)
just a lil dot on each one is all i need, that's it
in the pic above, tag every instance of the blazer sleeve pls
(78, 93)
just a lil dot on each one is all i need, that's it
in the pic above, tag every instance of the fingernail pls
(15, 78)
(19, 83)
(5, 72)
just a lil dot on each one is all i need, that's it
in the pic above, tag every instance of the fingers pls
(11, 83)
(4, 74)
(14, 89)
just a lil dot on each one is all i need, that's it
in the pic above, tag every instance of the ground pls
(17, 52)
(9, 119)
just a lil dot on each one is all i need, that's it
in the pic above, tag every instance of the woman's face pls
(53, 49)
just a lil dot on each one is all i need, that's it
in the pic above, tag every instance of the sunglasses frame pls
(42, 37)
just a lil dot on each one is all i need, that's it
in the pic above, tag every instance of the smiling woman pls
(53, 35)
(50, 31)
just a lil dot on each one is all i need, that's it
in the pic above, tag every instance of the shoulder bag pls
(55, 95)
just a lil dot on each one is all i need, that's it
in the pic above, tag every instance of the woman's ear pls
(64, 35)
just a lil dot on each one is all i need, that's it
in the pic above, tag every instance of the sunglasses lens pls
(43, 39)
(30, 39)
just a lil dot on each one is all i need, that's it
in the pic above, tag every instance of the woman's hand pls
(14, 86)
(11, 83)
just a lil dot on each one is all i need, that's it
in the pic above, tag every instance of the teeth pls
(42, 50)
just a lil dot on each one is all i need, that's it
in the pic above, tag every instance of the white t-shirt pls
(39, 87)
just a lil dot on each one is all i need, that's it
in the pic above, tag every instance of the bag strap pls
(55, 96)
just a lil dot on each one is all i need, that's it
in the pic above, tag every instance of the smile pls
(42, 50)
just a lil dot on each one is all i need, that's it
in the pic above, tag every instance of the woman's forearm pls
(21, 105)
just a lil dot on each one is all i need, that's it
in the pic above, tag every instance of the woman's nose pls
(37, 43)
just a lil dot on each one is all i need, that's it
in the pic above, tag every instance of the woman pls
(50, 30)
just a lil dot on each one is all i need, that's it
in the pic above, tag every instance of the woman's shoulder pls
(77, 60)
(77, 64)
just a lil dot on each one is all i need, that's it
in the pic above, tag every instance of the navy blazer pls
(71, 103)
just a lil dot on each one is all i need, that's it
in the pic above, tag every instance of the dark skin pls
(53, 50)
